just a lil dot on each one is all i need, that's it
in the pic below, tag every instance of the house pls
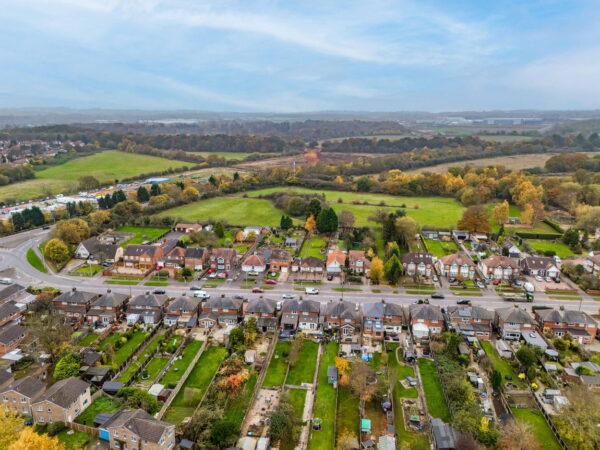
(223, 259)
(11, 292)
(417, 263)
(336, 259)
(226, 310)
(73, 303)
(514, 220)
(8, 313)
(301, 314)
(106, 309)
(558, 322)
(6, 378)
(188, 228)
(147, 308)
(280, 260)
(62, 402)
(430, 234)
(142, 256)
(586, 373)
(512, 321)
(18, 396)
(265, 312)
(470, 320)
(310, 265)
(11, 336)
(539, 265)
(254, 263)
(291, 242)
(195, 258)
(342, 316)
(592, 263)
(510, 249)
(136, 429)
(460, 235)
(381, 319)
(249, 232)
(183, 311)
(498, 267)
(457, 265)
(97, 251)
(428, 317)
(173, 258)
(358, 263)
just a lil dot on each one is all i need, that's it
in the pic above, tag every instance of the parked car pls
(496, 282)
(463, 301)
(202, 294)
(548, 279)
(311, 291)
(213, 275)
(211, 270)
(518, 283)
(257, 290)
(222, 275)
(46, 227)
(159, 291)
(438, 296)
(329, 277)
(269, 281)
(195, 288)
(288, 296)
(106, 264)
(538, 278)
(480, 285)
(435, 278)
(239, 297)
(451, 280)
(557, 280)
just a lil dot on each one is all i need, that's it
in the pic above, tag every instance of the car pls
(252, 274)
(270, 281)
(329, 277)
(518, 283)
(106, 264)
(222, 275)
(538, 278)
(159, 292)
(288, 296)
(438, 296)
(463, 301)
(480, 285)
(213, 275)
(496, 282)
(311, 291)
(195, 288)
(435, 278)
(557, 280)
(548, 279)
(46, 227)
(202, 294)
(239, 297)
(422, 301)
(451, 280)
(257, 290)
(211, 270)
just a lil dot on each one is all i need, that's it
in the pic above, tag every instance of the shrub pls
(55, 427)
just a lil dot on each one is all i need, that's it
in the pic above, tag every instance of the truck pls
(526, 297)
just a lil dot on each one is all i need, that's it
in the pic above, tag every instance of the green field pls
(540, 227)
(35, 261)
(100, 405)
(278, 366)
(434, 396)
(106, 166)
(347, 420)
(538, 425)
(142, 234)
(542, 245)
(304, 370)
(297, 399)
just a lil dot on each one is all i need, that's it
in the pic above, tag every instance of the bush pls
(55, 427)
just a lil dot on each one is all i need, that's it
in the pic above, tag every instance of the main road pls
(13, 255)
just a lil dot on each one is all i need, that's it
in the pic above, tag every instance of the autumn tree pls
(341, 364)
(362, 381)
(88, 182)
(190, 194)
(376, 272)
(67, 367)
(346, 218)
(99, 217)
(578, 421)
(406, 229)
(56, 251)
(72, 231)
(51, 331)
(517, 435)
(10, 424)
(475, 218)
(500, 213)
(30, 440)
(310, 224)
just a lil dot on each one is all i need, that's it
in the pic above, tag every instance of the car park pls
(257, 290)
(437, 296)
(311, 291)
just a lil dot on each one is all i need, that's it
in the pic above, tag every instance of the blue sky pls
(288, 56)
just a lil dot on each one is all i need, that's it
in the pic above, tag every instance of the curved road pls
(13, 250)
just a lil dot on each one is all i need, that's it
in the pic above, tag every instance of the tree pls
(199, 427)
(142, 194)
(578, 420)
(67, 366)
(56, 251)
(393, 270)
(190, 194)
(72, 231)
(138, 398)
(327, 221)
(376, 272)
(30, 440)
(379, 216)
(51, 331)
(496, 380)
(219, 231)
(475, 218)
(346, 218)
(500, 213)
(159, 200)
(286, 222)
(10, 424)
(571, 238)
(297, 344)
(224, 434)
(517, 435)
(155, 189)
(392, 249)
(99, 217)
(590, 219)
(526, 356)
(362, 381)
(389, 228)
(88, 183)
(342, 365)
(126, 211)
(282, 421)
(314, 207)
(406, 229)
(310, 224)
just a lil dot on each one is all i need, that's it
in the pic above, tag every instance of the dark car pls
(422, 301)
(239, 297)
(329, 277)
(195, 288)
(463, 301)
(159, 291)
(439, 296)
(257, 290)
(47, 227)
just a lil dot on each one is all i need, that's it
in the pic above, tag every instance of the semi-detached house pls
(417, 263)
(498, 267)
(560, 322)
(457, 265)
(137, 430)
(470, 320)
(108, 308)
(382, 319)
(512, 321)
(18, 396)
(62, 402)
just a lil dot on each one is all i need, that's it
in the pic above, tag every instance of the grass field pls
(278, 366)
(499, 364)
(35, 261)
(75, 440)
(197, 382)
(348, 414)
(297, 399)
(87, 340)
(175, 372)
(540, 428)
(100, 405)
(236, 408)
(324, 407)
(312, 247)
(439, 248)
(542, 245)
(142, 234)
(436, 403)
(91, 269)
(106, 166)
(121, 354)
(304, 370)
(540, 227)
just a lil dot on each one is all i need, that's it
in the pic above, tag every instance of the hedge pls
(526, 235)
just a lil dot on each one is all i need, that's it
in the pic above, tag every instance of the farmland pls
(106, 166)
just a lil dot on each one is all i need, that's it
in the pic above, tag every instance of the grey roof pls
(269, 322)
(514, 314)
(260, 305)
(110, 299)
(64, 392)
(300, 306)
(147, 299)
(9, 333)
(311, 261)
(184, 303)
(7, 310)
(75, 296)
(223, 303)
(443, 434)
(208, 315)
(332, 371)
(343, 309)
(280, 255)
(27, 386)
(96, 247)
(416, 258)
(379, 310)
(195, 252)
(139, 422)
(537, 262)
(425, 312)
(5, 375)
(289, 319)
(10, 290)
(567, 315)
(469, 312)
(140, 249)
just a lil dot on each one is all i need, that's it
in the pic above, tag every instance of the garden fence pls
(126, 363)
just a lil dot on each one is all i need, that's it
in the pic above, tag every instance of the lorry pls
(511, 297)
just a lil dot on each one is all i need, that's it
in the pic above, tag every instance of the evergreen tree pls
(219, 231)
(18, 221)
(108, 201)
(327, 221)
(71, 209)
(393, 269)
(313, 208)
(155, 190)
(119, 196)
(37, 217)
(236, 176)
(101, 203)
(212, 180)
(286, 222)
(389, 229)
(142, 195)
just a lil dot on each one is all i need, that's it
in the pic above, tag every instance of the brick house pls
(457, 265)
(310, 265)
(96, 251)
(220, 311)
(265, 312)
(254, 263)
(11, 292)
(106, 309)
(173, 259)
(342, 316)
(73, 303)
(195, 258)
(223, 259)
(498, 267)
(142, 256)
(147, 308)
(470, 320)
(294, 311)
(417, 263)
(280, 260)
(11, 336)
(429, 316)
(358, 263)
(188, 228)
(336, 260)
(512, 321)
(62, 402)
(8, 313)
(136, 429)
(18, 396)
(381, 319)
(183, 311)
(539, 265)
(580, 325)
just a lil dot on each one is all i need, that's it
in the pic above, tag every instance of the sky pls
(298, 56)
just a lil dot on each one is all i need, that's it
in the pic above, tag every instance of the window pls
(5, 398)
(133, 439)
(85, 401)
(116, 434)
(23, 400)
(40, 408)
(41, 419)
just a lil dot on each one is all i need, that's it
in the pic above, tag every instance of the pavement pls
(13, 250)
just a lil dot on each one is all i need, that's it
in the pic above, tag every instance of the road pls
(13, 250)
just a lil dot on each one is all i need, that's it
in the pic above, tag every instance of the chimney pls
(147, 292)
(73, 289)
(108, 291)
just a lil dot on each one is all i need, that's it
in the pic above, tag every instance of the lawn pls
(324, 407)
(312, 247)
(278, 366)
(542, 245)
(348, 415)
(236, 408)
(105, 166)
(35, 261)
(154, 367)
(436, 403)
(196, 384)
(122, 283)
(173, 375)
(87, 340)
(540, 227)
(540, 428)
(297, 399)
(499, 364)
(126, 349)
(142, 234)
(100, 405)
(74, 441)
(88, 269)
(439, 248)
(304, 369)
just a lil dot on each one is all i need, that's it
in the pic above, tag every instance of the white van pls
(6, 280)
(202, 294)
